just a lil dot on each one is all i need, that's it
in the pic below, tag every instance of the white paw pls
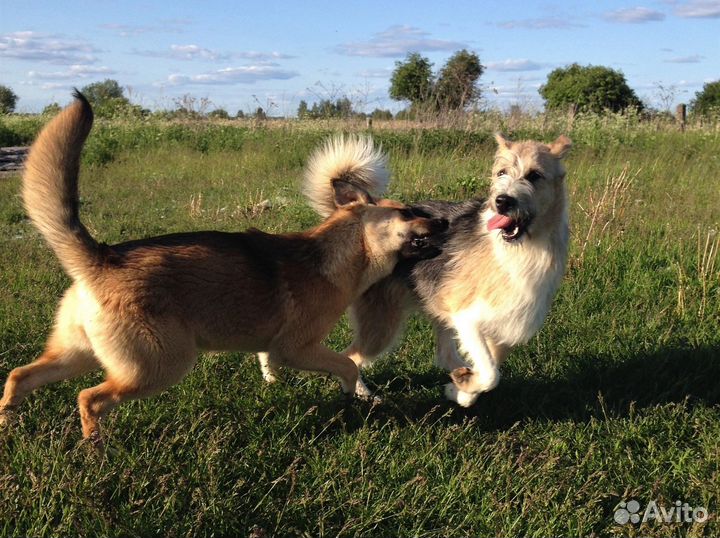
(269, 376)
(485, 380)
(464, 399)
(362, 392)
(269, 372)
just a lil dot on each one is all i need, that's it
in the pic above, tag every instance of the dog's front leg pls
(269, 371)
(468, 384)
(446, 349)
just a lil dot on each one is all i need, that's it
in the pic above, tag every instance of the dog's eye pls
(534, 176)
(502, 172)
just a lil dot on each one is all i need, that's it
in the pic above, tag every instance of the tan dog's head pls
(391, 230)
(528, 190)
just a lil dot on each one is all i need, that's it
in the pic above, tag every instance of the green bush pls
(707, 101)
(8, 100)
(592, 88)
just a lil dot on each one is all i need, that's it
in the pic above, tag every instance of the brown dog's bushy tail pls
(50, 188)
(354, 159)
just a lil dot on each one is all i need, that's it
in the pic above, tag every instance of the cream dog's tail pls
(50, 189)
(352, 158)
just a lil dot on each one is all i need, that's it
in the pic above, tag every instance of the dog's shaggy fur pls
(141, 310)
(492, 286)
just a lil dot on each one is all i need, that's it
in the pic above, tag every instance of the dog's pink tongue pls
(498, 221)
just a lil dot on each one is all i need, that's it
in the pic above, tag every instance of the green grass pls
(617, 398)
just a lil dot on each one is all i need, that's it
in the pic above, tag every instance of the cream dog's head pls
(528, 191)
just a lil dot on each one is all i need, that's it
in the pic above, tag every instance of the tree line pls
(454, 87)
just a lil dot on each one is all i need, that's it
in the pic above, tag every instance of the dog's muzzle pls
(427, 245)
(511, 222)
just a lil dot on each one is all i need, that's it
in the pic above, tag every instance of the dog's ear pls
(461, 376)
(502, 142)
(560, 147)
(347, 194)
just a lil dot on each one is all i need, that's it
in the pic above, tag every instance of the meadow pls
(616, 399)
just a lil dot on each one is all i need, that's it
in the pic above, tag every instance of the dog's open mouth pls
(511, 229)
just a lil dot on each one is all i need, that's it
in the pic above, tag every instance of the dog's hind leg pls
(95, 402)
(55, 364)
(68, 353)
(317, 358)
(377, 318)
(141, 357)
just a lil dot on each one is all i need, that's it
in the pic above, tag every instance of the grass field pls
(617, 398)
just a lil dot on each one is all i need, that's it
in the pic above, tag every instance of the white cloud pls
(397, 41)
(248, 74)
(196, 52)
(699, 9)
(515, 65)
(634, 15)
(693, 59)
(49, 48)
(73, 72)
(384, 72)
(168, 26)
(549, 23)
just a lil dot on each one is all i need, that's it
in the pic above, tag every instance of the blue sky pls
(241, 55)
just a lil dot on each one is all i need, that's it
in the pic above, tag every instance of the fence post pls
(681, 115)
(572, 110)
(368, 123)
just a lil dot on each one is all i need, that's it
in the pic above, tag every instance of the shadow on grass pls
(595, 387)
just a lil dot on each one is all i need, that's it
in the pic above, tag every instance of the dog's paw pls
(472, 381)
(463, 399)
(362, 391)
(270, 376)
(486, 379)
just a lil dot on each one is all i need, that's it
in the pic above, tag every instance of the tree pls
(380, 114)
(302, 111)
(412, 80)
(456, 85)
(260, 114)
(8, 100)
(108, 100)
(707, 101)
(98, 93)
(593, 88)
(326, 108)
(343, 108)
(219, 114)
(52, 109)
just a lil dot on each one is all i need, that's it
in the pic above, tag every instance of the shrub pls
(591, 88)
(707, 101)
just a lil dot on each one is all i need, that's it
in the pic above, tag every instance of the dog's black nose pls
(505, 203)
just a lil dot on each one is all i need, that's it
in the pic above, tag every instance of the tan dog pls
(493, 285)
(141, 310)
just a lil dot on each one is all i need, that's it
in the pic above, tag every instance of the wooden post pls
(572, 110)
(681, 115)
(368, 123)
(515, 116)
